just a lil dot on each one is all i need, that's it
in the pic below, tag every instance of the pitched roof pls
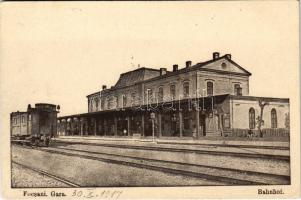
(240, 67)
(202, 66)
(137, 75)
(150, 74)
(95, 93)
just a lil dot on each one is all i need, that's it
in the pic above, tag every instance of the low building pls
(205, 99)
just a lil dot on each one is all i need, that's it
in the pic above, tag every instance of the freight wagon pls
(36, 126)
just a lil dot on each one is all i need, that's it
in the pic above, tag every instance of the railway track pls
(228, 145)
(227, 176)
(71, 184)
(185, 150)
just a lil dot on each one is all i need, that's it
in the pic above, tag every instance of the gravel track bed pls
(190, 147)
(26, 178)
(279, 167)
(236, 177)
(89, 173)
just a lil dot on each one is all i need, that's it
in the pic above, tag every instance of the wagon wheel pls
(35, 142)
(46, 142)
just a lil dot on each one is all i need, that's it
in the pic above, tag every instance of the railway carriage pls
(36, 126)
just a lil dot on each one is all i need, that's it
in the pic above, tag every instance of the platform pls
(180, 142)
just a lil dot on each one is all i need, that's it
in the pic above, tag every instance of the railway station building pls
(205, 99)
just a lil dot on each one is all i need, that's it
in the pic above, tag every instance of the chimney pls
(228, 56)
(175, 68)
(104, 87)
(163, 71)
(188, 63)
(215, 55)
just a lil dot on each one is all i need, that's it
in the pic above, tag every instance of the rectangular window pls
(160, 94)
(96, 104)
(133, 98)
(209, 88)
(237, 90)
(173, 92)
(186, 89)
(108, 103)
(117, 102)
(149, 95)
(92, 105)
(124, 100)
(227, 123)
(102, 103)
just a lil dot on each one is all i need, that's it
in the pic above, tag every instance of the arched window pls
(237, 90)
(251, 118)
(186, 89)
(273, 118)
(209, 88)
(160, 94)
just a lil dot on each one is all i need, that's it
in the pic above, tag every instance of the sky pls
(59, 52)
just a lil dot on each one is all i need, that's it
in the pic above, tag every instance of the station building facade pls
(205, 99)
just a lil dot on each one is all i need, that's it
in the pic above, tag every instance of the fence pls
(268, 132)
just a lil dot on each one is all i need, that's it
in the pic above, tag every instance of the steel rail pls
(223, 179)
(47, 174)
(185, 150)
